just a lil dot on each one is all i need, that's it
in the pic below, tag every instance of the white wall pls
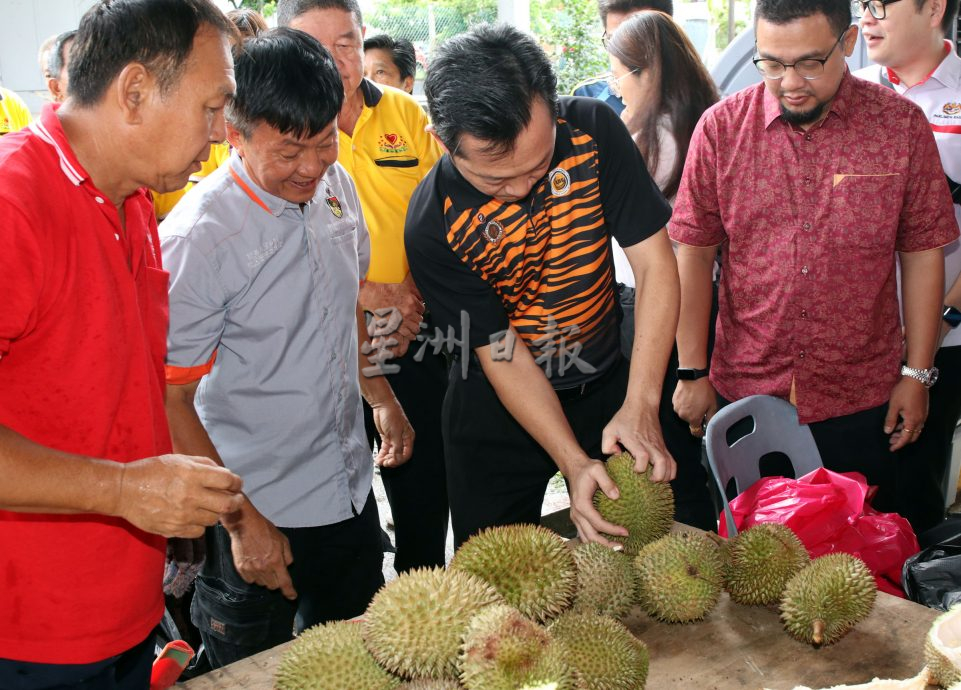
(24, 25)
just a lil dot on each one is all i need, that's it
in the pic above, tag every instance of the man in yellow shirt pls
(385, 147)
(14, 113)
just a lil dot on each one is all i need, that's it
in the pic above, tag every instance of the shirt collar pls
(275, 205)
(947, 72)
(839, 104)
(372, 94)
(49, 130)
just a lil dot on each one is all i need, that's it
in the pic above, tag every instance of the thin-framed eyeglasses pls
(808, 68)
(877, 8)
(614, 83)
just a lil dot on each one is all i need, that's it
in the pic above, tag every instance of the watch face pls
(952, 316)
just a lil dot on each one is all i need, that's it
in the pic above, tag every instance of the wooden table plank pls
(735, 647)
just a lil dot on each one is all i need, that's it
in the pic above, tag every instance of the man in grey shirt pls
(266, 258)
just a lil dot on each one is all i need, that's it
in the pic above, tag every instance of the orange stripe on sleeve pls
(179, 376)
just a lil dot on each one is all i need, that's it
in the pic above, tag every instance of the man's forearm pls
(186, 430)
(695, 267)
(375, 389)
(922, 288)
(37, 479)
(527, 394)
(656, 303)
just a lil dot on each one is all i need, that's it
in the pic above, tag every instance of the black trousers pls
(922, 464)
(336, 571)
(417, 490)
(127, 671)
(692, 498)
(497, 473)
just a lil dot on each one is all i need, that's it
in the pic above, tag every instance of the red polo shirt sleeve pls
(20, 269)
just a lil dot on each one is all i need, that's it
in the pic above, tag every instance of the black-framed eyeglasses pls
(808, 68)
(877, 8)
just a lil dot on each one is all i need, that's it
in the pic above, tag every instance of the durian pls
(827, 598)
(331, 657)
(414, 624)
(606, 580)
(503, 650)
(942, 648)
(430, 684)
(530, 566)
(679, 577)
(759, 562)
(603, 653)
(645, 508)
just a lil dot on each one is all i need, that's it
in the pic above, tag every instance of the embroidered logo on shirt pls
(334, 205)
(392, 143)
(952, 109)
(560, 181)
(493, 232)
(263, 252)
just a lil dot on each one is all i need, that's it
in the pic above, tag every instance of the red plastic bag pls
(828, 512)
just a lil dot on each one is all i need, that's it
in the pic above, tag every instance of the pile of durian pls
(518, 609)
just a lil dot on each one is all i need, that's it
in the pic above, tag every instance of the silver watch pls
(926, 376)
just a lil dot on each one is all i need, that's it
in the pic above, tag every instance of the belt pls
(563, 394)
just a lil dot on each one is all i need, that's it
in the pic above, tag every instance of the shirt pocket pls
(866, 207)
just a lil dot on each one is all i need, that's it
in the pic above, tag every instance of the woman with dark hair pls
(665, 89)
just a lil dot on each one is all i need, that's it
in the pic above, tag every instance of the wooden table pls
(735, 647)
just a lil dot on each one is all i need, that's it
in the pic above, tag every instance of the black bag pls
(933, 576)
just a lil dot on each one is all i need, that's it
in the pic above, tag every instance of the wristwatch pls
(951, 316)
(926, 376)
(691, 374)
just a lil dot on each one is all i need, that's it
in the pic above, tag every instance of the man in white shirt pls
(906, 40)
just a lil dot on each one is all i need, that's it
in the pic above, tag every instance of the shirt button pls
(117, 236)
(804, 313)
(807, 180)
(808, 137)
(801, 354)
(804, 270)
(99, 199)
(806, 226)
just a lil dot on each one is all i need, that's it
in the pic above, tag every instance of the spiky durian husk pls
(430, 684)
(415, 623)
(827, 598)
(504, 650)
(331, 657)
(760, 561)
(645, 508)
(603, 653)
(530, 566)
(606, 581)
(942, 648)
(679, 577)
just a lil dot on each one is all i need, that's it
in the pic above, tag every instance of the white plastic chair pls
(776, 430)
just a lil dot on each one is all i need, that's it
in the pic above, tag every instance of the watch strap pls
(688, 374)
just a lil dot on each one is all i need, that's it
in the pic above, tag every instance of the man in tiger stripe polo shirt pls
(509, 241)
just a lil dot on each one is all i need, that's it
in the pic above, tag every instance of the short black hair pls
(605, 7)
(513, 70)
(156, 33)
(57, 58)
(289, 10)
(837, 12)
(401, 52)
(287, 80)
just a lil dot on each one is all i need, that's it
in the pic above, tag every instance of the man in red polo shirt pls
(89, 489)
(813, 183)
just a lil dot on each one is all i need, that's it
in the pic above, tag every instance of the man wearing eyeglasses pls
(613, 13)
(813, 183)
(907, 40)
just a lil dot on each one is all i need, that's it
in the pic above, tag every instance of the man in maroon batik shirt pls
(812, 183)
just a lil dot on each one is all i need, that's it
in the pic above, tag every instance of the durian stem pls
(716, 538)
(818, 636)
